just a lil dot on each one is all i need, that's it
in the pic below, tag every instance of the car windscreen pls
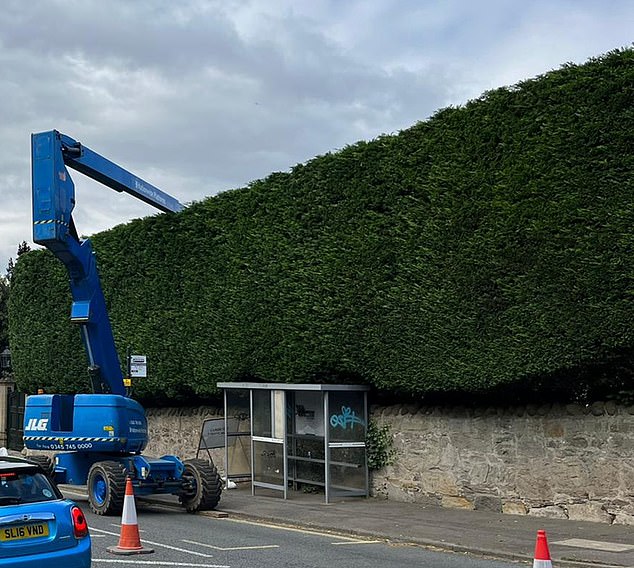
(25, 487)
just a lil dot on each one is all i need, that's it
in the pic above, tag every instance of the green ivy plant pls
(379, 447)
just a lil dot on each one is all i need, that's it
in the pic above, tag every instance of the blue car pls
(38, 527)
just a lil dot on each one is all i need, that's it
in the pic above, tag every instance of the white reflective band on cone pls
(129, 511)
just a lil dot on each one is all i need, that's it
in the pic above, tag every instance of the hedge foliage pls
(487, 245)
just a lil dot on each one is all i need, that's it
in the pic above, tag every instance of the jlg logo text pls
(35, 424)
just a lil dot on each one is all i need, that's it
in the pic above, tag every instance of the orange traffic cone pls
(542, 554)
(129, 541)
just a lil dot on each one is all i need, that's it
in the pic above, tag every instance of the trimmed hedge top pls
(486, 245)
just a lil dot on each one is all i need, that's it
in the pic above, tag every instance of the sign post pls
(136, 367)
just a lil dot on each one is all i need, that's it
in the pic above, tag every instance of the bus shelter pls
(296, 435)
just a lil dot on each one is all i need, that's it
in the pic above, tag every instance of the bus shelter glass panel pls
(268, 409)
(347, 416)
(347, 469)
(268, 463)
(310, 472)
(347, 472)
(306, 447)
(262, 413)
(309, 413)
(238, 433)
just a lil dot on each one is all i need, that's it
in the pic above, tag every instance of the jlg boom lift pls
(99, 436)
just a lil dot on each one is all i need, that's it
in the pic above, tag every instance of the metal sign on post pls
(213, 433)
(138, 366)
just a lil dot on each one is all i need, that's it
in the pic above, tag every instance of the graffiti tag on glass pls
(348, 417)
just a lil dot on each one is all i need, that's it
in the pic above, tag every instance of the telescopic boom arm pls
(53, 227)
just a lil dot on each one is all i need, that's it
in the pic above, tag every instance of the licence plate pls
(24, 531)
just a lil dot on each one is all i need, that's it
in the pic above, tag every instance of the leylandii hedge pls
(486, 245)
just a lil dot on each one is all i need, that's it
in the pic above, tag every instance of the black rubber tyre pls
(106, 488)
(44, 462)
(206, 486)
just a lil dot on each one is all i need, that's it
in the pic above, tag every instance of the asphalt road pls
(180, 539)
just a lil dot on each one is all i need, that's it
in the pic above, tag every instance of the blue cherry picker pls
(99, 436)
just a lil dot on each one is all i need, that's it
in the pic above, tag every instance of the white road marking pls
(596, 545)
(157, 563)
(347, 539)
(357, 542)
(231, 547)
(160, 544)
(291, 529)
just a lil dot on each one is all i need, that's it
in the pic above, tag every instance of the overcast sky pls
(201, 96)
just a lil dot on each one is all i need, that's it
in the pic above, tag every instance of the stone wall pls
(564, 462)
(553, 461)
(177, 431)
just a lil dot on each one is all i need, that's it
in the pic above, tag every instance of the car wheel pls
(203, 486)
(106, 488)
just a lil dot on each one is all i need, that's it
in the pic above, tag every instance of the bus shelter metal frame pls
(280, 435)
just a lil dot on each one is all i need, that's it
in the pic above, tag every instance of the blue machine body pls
(106, 425)
(96, 422)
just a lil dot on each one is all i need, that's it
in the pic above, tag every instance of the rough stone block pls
(578, 442)
(487, 503)
(623, 519)
(549, 512)
(597, 408)
(544, 409)
(553, 429)
(574, 410)
(395, 491)
(514, 508)
(611, 408)
(454, 502)
(591, 511)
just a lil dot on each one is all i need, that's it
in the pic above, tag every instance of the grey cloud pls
(202, 96)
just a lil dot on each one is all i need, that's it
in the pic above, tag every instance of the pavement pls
(573, 544)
